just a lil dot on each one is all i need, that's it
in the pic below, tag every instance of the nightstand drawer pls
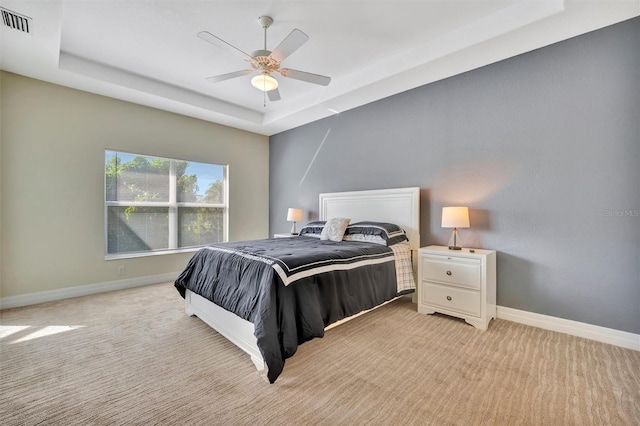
(455, 299)
(457, 271)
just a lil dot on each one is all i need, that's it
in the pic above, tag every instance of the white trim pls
(151, 253)
(574, 328)
(83, 290)
(173, 209)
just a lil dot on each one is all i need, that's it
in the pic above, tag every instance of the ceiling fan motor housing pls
(263, 62)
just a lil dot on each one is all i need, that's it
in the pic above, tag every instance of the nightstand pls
(459, 283)
(284, 235)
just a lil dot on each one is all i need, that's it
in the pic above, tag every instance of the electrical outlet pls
(120, 270)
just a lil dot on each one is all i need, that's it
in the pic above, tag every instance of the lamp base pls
(455, 243)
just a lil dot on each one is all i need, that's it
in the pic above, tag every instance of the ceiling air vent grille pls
(15, 20)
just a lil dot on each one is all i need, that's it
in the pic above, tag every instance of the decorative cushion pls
(334, 229)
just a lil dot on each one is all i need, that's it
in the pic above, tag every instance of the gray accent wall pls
(544, 148)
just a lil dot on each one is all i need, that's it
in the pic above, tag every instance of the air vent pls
(15, 20)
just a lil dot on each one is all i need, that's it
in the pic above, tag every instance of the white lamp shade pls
(264, 82)
(455, 217)
(294, 215)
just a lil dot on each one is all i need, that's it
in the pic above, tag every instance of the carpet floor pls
(133, 357)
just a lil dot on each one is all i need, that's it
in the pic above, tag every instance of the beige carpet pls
(134, 357)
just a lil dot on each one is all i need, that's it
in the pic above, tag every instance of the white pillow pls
(334, 229)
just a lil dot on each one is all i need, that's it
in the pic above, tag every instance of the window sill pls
(150, 253)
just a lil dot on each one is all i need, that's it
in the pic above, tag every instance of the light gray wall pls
(52, 181)
(545, 150)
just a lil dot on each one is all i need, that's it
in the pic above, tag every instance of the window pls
(155, 205)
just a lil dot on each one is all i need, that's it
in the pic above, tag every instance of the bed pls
(286, 303)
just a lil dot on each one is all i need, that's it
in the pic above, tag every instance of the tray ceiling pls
(147, 52)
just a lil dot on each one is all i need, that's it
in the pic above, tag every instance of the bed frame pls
(400, 206)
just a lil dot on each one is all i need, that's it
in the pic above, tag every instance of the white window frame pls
(173, 205)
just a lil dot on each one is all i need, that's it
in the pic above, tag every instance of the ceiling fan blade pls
(305, 76)
(290, 44)
(218, 42)
(223, 77)
(274, 95)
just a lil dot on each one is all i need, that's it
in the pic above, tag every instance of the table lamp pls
(455, 217)
(294, 215)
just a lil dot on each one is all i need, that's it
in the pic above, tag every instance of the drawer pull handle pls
(448, 272)
(449, 298)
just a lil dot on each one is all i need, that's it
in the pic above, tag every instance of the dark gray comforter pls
(291, 288)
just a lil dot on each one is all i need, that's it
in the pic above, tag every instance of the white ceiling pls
(147, 51)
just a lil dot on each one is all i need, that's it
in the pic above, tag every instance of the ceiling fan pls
(265, 62)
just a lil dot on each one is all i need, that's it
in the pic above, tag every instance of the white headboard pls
(400, 206)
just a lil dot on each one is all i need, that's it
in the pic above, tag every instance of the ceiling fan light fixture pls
(264, 82)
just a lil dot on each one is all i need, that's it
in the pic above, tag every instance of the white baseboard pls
(83, 290)
(574, 328)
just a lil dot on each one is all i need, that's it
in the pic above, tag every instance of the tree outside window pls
(156, 204)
